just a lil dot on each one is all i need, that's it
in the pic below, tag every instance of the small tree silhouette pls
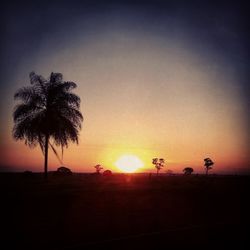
(169, 172)
(63, 171)
(98, 168)
(208, 164)
(159, 164)
(188, 171)
(107, 173)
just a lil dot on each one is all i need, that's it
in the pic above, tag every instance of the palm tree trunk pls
(46, 156)
(206, 171)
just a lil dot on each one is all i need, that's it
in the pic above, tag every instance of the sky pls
(165, 79)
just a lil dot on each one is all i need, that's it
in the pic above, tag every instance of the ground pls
(85, 211)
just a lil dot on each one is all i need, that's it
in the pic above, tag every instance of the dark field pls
(124, 212)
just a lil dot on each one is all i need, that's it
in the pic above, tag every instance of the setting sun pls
(129, 163)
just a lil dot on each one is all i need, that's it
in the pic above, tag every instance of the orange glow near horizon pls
(140, 97)
(83, 157)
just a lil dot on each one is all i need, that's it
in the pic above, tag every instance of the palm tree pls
(208, 164)
(48, 114)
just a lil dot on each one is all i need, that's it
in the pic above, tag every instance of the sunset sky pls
(156, 79)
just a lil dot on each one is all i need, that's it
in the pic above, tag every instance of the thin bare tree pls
(208, 163)
(98, 168)
(159, 164)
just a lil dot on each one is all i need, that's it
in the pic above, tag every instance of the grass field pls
(84, 211)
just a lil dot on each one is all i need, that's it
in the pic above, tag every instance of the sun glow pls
(129, 163)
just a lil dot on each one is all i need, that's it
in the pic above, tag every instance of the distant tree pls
(169, 172)
(48, 113)
(208, 164)
(107, 173)
(98, 168)
(63, 171)
(188, 171)
(159, 164)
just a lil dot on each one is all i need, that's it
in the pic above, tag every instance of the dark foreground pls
(124, 212)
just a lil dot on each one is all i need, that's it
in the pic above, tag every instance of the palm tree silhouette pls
(48, 114)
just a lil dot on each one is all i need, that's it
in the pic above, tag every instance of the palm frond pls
(30, 128)
(24, 94)
(56, 154)
(36, 79)
(67, 86)
(55, 78)
(72, 114)
(41, 141)
(66, 99)
(66, 131)
(21, 111)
